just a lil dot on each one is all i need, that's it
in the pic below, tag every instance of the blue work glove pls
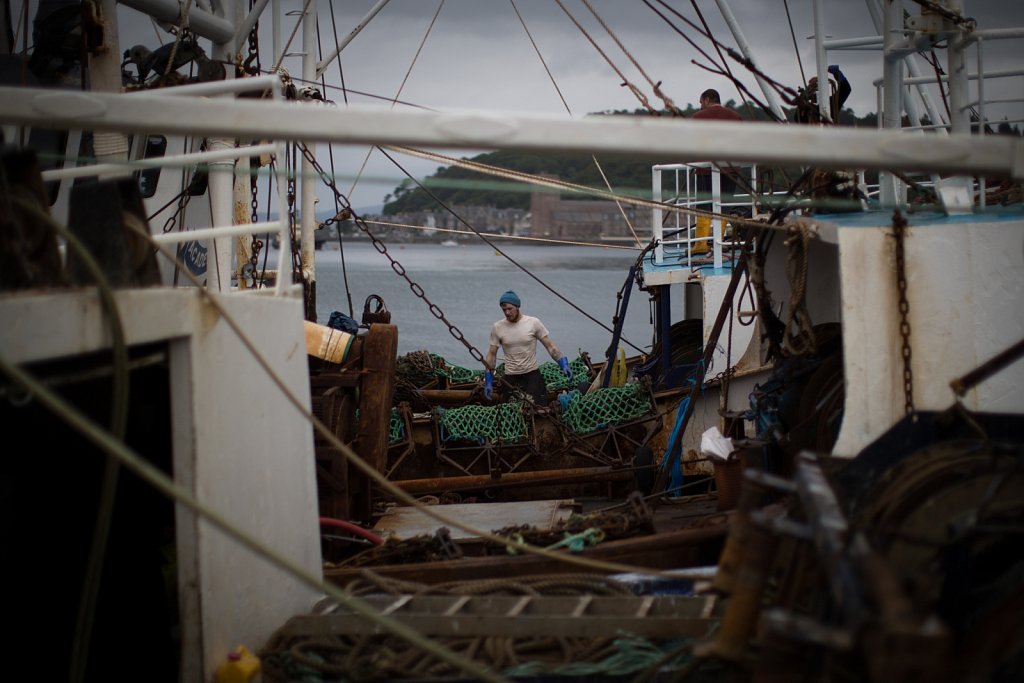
(488, 385)
(563, 363)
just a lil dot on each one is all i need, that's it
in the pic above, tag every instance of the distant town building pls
(580, 219)
(549, 217)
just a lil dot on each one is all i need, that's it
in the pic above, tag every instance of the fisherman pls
(711, 108)
(840, 89)
(518, 334)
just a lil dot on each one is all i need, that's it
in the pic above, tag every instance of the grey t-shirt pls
(519, 342)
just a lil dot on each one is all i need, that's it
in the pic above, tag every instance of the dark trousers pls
(532, 384)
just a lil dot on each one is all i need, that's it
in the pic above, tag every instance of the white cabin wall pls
(823, 284)
(966, 304)
(239, 446)
(254, 464)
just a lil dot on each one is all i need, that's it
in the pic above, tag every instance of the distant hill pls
(629, 175)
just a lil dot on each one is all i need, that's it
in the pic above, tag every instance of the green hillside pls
(458, 186)
(629, 175)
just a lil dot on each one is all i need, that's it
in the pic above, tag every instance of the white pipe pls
(173, 160)
(222, 176)
(846, 43)
(203, 24)
(250, 20)
(999, 73)
(105, 74)
(222, 200)
(656, 215)
(892, 109)
(744, 46)
(958, 89)
(220, 231)
(753, 142)
(322, 66)
(226, 87)
(981, 116)
(309, 175)
(821, 58)
(934, 113)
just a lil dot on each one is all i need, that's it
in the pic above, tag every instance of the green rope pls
(555, 379)
(396, 428)
(502, 423)
(603, 407)
(631, 655)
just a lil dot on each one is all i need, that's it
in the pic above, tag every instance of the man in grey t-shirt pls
(518, 334)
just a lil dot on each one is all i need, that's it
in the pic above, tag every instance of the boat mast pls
(892, 94)
(741, 42)
(104, 69)
(222, 173)
(310, 178)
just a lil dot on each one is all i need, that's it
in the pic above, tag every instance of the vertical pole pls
(222, 184)
(716, 223)
(958, 87)
(892, 94)
(309, 176)
(656, 216)
(913, 70)
(981, 116)
(664, 328)
(821, 58)
(741, 42)
(105, 75)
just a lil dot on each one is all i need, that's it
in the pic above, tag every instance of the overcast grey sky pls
(477, 55)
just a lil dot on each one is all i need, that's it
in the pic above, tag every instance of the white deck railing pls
(174, 98)
(682, 231)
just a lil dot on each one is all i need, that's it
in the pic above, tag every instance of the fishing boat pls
(193, 430)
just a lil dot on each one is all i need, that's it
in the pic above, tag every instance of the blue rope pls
(676, 473)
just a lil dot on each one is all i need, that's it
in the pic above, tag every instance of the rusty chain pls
(291, 171)
(381, 248)
(899, 230)
(257, 244)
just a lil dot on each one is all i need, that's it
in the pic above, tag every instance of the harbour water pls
(465, 283)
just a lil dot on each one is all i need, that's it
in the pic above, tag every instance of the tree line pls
(456, 186)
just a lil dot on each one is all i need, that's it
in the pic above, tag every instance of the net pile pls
(603, 407)
(501, 423)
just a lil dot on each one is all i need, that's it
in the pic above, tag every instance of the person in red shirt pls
(711, 108)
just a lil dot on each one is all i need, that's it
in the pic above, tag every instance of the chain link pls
(290, 172)
(257, 244)
(251, 65)
(183, 199)
(399, 269)
(899, 230)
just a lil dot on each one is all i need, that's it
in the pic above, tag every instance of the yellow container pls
(703, 230)
(326, 342)
(241, 666)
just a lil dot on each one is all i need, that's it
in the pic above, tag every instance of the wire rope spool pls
(948, 519)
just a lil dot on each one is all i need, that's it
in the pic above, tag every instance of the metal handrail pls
(686, 196)
(267, 84)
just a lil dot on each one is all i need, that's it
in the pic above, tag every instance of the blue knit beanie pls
(510, 297)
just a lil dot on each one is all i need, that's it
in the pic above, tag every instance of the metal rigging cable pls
(625, 81)
(330, 154)
(569, 111)
(787, 93)
(401, 87)
(718, 49)
(656, 87)
(792, 34)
